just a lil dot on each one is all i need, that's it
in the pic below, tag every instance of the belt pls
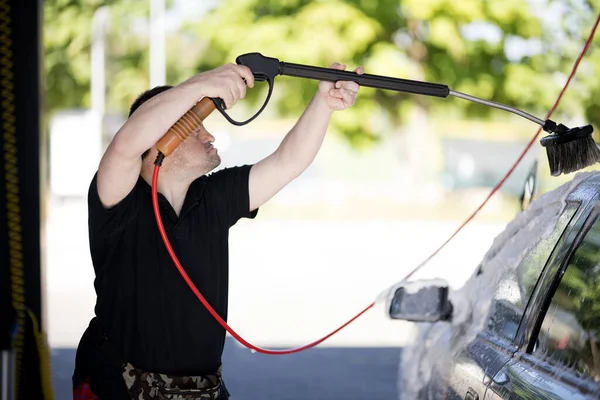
(144, 385)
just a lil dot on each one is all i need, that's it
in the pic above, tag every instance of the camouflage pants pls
(154, 386)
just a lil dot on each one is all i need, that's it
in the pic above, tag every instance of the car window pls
(570, 332)
(514, 290)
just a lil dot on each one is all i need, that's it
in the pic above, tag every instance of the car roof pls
(587, 189)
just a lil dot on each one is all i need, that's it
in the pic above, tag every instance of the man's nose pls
(209, 137)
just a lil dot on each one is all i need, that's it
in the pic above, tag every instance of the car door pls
(473, 365)
(496, 344)
(559, 355)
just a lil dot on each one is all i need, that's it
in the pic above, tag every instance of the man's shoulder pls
(98, 213)
(229, 169)
(225, 179)
(140, 185)
(228, 172)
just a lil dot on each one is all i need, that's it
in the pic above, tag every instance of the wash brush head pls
(570, 150)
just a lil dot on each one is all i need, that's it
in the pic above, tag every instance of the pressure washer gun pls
(568, 149)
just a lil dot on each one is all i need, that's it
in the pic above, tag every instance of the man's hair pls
(148, 94)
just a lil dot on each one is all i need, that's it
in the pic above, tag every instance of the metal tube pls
(7, 375)
(499, 106)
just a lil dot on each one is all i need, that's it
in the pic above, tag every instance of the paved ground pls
(291, 283)
(320, 374)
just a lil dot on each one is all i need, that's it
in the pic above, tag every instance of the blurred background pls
(396, 176)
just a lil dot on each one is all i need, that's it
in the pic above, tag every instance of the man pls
(150, 330)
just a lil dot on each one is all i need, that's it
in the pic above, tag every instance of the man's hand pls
(341, 94)
(300, 146)
(228, 82)
(120, 166)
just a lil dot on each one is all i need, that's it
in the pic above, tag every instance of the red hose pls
(220, 320)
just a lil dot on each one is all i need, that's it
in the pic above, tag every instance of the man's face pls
(195, 156)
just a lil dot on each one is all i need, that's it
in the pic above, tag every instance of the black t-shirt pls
(147, 310)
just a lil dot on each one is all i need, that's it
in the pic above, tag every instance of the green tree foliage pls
(67, 43)
(67, 47)
(433, 40)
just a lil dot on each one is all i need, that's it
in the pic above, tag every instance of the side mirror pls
(529, 186)
(421, 301)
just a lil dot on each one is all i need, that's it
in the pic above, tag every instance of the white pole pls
(93, 141)
(157, 43)
(98, 80)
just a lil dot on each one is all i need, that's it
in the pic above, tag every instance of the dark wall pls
(20, 128)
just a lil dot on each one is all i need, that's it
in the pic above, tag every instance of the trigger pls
(219, 103)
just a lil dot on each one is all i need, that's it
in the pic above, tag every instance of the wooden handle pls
(188, 123)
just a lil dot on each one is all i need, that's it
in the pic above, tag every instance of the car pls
(526, 324)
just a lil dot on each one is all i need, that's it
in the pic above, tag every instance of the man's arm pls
(301, 145)
(121, 163)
